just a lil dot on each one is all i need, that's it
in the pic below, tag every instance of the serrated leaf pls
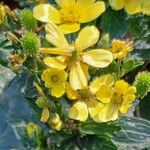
(93, 128)
(114, 23)
(129, 65)
(134, 132)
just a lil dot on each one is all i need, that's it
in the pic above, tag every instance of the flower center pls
(118, 98)
(70, 14)
(54, 78)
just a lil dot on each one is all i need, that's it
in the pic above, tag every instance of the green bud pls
(30, 43)
(27, 20)
(42, 102)
(32, 130)
(142, 84)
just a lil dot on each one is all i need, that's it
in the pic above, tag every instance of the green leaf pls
(5, 49)
(135, 132)
(89, 142)
(144, 107)
(114, 23)
(93, 128)
(16, 111)
(6, 75)
(129, 65)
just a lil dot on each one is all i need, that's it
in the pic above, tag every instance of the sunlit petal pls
(69, 27)
(55, 36)
(133, 7)
(79, 111)
(117, 4)
(46, 13)
(87, 37)
(58, 90)
(54, 63)
(91, 12)
(77, 77)
(71, 94)
(98, 58)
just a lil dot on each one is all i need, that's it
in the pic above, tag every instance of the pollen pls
(70, 14)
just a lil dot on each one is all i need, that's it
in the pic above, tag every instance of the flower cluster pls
(68, 61)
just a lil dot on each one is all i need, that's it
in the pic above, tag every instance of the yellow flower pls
(55, 80)
(2, 14)
(120, 48)
(86, 100)
(75, 57)
(117, 98)
(5, 10)
(69, 13)
(131, 6)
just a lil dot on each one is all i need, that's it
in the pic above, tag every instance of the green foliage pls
(30, 43)
(42, 102)
(5, 49)
(93, 128)
(135, 132)
(130, 65)
(89, 142)
(142, 84)
(27, 20)
(114, 22)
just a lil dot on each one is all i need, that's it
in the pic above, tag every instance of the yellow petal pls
(98, 58)
(69, 27)
(146, 7)
(107, 113)
(104, 94)
(95, 85)
(58, 90)
(46, 13)
(91, 12)
(94, 107)
(64, 3)
(87, 37)
(79, 111)
(56, 51)
(45, 115)
(131, 90)
(39, 89)
(86, 2)
(54, 63)
(55, 36)
(107, 79)
(71, 94)
(77, 77)
(121, 86)
(117, 4)
(133, 7)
